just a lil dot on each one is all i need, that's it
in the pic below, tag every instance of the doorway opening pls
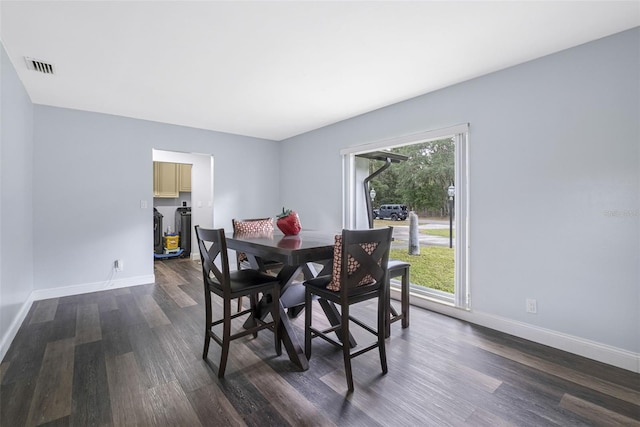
(183, 197)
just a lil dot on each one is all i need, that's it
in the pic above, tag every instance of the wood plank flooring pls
(133, 357)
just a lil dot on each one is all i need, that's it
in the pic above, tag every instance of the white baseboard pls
(590, 349)
(11, 333)
(65, 291)
(85, 288)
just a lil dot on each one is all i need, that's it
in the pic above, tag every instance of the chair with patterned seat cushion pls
(359, 274)
(256, 226)
(231, 285)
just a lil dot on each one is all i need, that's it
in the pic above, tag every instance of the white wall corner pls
(11, 333)
(590, 349)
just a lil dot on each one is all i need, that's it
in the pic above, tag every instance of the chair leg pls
(226, 338)
(207, 340)
(239, 304)
(207, 322)
(383, 321)
(404, 302)
(307, 323)
(346, 350)
(387, 321)
(405, 299)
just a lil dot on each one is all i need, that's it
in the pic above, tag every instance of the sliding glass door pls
(427, 173)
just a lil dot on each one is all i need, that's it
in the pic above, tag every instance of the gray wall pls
(92, 170)
(554, 185)
(16, 183)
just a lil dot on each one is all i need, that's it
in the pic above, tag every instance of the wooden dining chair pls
(254, 226)
(359, 274)
(231, 285)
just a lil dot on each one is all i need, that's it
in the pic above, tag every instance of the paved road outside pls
(401, 233)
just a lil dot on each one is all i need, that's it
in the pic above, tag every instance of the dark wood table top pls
(308, 246)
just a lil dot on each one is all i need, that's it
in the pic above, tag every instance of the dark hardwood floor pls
(132, 356)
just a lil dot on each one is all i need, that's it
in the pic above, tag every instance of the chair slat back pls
(213, 244)
(365, 254)
(260, 225)
(257, 226)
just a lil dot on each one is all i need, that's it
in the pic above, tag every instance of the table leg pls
(294, 350)
(290, 341)
(310, 270)
(288, 336)
(256, 263)
(285, 277)
(287, 333)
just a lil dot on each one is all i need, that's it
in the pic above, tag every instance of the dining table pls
(305, 255)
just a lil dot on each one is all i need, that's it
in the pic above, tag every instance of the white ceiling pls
(277, 69)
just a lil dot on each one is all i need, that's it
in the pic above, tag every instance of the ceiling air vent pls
(40, 66)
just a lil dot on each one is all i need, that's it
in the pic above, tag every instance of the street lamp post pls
(451, 191)
(372, 196)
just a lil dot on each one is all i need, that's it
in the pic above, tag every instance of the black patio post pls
(451, 191)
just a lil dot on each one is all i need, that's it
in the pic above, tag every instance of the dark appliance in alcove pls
(157, 232)
(183, 228)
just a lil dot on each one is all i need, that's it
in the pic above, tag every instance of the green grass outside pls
(433, 268)
(442, 232)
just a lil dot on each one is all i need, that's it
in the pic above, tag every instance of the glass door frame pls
(460, 134)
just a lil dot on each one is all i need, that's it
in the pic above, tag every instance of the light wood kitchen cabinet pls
(165, 179)
(185, 177)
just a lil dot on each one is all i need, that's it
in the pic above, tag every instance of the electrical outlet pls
(118, 265)
(532, 306)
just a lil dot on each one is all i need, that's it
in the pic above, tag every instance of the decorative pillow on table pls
(334, 285)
